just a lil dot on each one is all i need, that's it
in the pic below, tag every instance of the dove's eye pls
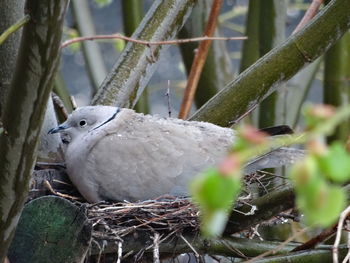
(82, 123)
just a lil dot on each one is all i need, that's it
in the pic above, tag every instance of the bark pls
(25, 108)
(10, 12)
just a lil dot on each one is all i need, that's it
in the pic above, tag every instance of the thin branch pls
(156, 242)
(199, 60)
(317, 239)
(12, 29)
(145, 42)
(342, 218)
(167, 94)
(309, 14)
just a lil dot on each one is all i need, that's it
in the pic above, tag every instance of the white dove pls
(118, 154)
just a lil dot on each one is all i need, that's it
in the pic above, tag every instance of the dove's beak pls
(57, 129)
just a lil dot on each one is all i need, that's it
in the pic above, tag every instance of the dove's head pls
(85, 119)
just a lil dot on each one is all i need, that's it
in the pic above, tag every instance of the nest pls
(114, 221)
(149, 223)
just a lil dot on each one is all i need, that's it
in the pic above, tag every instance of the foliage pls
(103, 3)
(317, 179)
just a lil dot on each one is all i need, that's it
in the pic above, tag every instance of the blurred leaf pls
(315, 115)
(336, 163)
(119, 45)
(304, 173)
(322, 206)
(215, 195)
(317, 199)
(103, 3)
(72, 33)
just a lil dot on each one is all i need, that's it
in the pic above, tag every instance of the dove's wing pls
(275, 158)
(137, 157)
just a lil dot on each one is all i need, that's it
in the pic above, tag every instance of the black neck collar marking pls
(111, 118)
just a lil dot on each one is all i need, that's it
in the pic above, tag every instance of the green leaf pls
(304, 173)
(214, 191)
(336, 163)
(102, 3)
(323, 206)
(215, 194)
(119, 45)
(73, 33)
(213, 222)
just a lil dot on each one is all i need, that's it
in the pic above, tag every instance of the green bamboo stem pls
(91, 51)
(262, 78)
(228, 246)
(133, 14)
(271, 33)
(298, 88)
(337, 81)
(250, 51)
(309, 256)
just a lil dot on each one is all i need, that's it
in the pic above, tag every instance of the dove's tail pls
(275, 158)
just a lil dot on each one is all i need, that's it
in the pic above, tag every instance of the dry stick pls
(199, 60)
(317, 239)
(309, 14)
(347, 257)
(59, 103)
(196, 254)
(343, 216)
(145, 42)
(156, 242)
(74, 103)
(49, 187)
(120, 252)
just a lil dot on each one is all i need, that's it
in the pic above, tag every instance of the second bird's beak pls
(57, 129)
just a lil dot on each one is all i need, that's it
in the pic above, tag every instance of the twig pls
(145, 42)
(167, 94)
(251, 212)
(190, 246)
(120, 251)
(49, 187)
(317, 239)
(74, 103)
(309, 14)
(156, 248)
(343, 216)
(13, 28)
(104, 243)
(59, 103)
(199, 60)
(243, 115)
(347, 257)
